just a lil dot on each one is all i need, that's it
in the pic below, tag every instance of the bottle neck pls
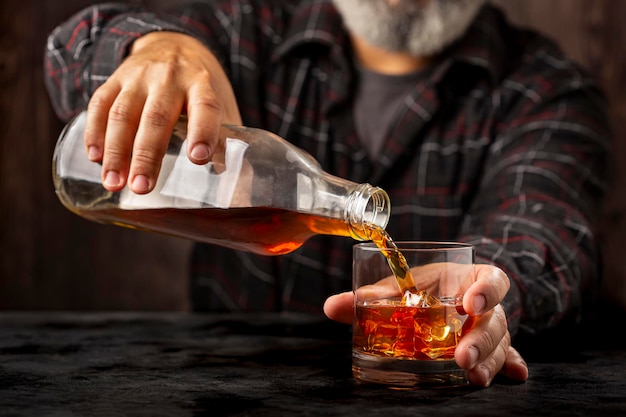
(368, 207)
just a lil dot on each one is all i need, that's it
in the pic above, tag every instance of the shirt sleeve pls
(83, 51)
(536, 208)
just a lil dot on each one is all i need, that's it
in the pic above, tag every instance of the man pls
(479, 132)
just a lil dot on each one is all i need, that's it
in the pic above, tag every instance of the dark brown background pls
(53, 259)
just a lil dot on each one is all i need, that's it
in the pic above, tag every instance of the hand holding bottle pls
(136, 109)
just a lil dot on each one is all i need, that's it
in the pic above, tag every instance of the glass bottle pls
(259, 193)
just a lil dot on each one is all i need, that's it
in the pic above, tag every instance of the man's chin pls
(407, 27)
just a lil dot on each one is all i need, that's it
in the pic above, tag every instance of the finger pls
(483, 340)
(205, 115)
(153, 135)
(96, 122)
(488, 290)
(485, 370)
(340, 307)
(384, 288)
(515, 367)
(122, 126)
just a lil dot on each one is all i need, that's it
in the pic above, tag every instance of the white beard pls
(419, 27)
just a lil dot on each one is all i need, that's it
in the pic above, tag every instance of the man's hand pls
(484, 351)
(136, 109)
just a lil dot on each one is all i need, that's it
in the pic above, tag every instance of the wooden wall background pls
(52, 259)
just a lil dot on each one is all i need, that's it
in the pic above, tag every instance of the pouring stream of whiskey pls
(397, 262)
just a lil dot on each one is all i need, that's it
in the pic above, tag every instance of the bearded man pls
(479, 131)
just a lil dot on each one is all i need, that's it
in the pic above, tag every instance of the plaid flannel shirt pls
(502, 145)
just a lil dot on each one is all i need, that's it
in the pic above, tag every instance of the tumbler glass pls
(408, 340)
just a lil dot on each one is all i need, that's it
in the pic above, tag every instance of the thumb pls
(340, 307)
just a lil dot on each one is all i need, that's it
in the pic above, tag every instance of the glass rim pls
(416, 245)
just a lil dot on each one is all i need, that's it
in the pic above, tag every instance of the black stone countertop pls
(161, 364)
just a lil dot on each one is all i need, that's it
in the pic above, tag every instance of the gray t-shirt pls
(376, 102)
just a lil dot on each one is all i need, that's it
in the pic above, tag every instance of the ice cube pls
(419, 299)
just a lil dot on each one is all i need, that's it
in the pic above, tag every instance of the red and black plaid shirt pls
(503, 145)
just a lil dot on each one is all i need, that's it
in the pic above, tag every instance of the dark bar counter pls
(162, 364)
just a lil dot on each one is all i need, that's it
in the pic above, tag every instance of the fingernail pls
(484, 372)
(200, 152)
(112, 179)
(141, 184)
(93, 153)
(479, 304)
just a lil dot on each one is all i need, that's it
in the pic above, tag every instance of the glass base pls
(406, 373)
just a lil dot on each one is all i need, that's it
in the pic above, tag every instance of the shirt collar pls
(314, 22)
(482, 46)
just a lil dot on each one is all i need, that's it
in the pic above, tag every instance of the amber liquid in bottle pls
(262, 230)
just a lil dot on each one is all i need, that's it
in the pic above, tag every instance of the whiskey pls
(397, 263)
(408, 338)
(391, 329)
(262, 230)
